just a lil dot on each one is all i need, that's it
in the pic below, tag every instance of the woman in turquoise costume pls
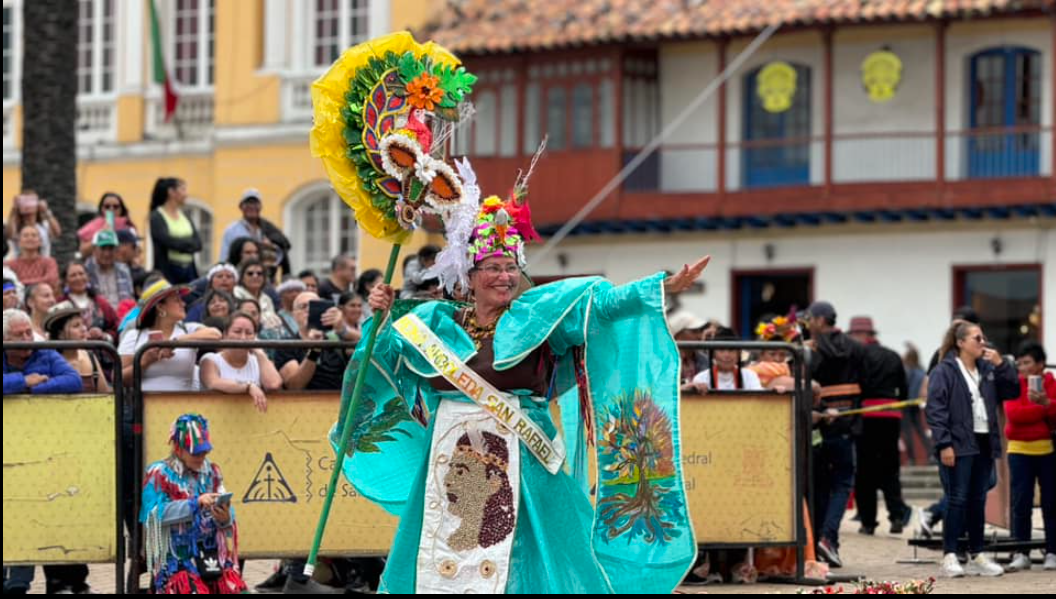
(454, 431)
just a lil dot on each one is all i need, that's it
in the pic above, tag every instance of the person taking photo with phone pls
(316, 370)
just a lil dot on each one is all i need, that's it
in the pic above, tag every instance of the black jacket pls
(839, 360)
(949, 407)
(885, 375)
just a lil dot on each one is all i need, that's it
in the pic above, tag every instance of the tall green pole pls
(346, 433)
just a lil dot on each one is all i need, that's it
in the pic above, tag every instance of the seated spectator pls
(312, 369)
(99, 316)
(310, 280)
(189, 524)
(367, 282)
(250, 308)
(217, 304)
(28, 210)
(110, 278)
(162, 319)
(288, 292)
(130, 253)
(41, 371)
(351, 306)
(726, 369)
(9, 275)
(243, 250)
(65, 322)
(342, 278)
(110, 203)
(241, 371)
(252, 285)
(429, 290)
(222, 277)
(414, 269)
(686, 326)
(11, 299)
(1030, 423)
(128, 318)
(32, 267)
(39, 299)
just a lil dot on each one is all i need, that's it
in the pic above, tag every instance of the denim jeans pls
(833, 482)
(966, 485)
(1025, 470)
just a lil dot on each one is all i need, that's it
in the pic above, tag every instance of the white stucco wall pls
(858, 153)
(901, 275)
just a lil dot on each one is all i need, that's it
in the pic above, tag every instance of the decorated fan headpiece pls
(477, 231)
(380, 112)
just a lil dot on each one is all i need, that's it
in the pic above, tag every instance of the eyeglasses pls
(979, 339)
(255, 273)
(111, 206)
(496, 270)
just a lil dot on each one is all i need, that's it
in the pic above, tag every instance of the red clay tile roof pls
(498, 26)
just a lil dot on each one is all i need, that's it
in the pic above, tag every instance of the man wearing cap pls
(128, 252)
(883, 382)
(110, 278)
(255, 227)
(188, 522)
(836, 363)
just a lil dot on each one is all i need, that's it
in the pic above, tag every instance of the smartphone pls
(1034, 383)
(316, 309)
(224, 500)
(155, 336)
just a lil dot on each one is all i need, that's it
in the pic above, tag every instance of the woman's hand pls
(948, 457)
(993, 356)
(260, 400)
(684, 278)
(1039, 397)
(381, 298)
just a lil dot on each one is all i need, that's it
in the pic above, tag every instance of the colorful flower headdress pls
(190, 433)
(784, 328)
(476, 232)
(380, 112)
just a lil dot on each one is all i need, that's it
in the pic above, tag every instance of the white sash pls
(550, 453)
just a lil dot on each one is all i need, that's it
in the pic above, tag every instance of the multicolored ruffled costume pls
(176, 530)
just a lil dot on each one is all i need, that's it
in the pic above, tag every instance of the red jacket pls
(1027, 421)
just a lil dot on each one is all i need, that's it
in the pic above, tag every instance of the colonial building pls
(895, 158)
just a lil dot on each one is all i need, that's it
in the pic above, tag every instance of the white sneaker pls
(1050, 561)
(951, 566)
(1020, 561)
(983, 565)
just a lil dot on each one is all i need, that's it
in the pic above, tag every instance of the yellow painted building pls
(243, 69)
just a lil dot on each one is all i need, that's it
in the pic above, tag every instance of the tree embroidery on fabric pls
(638, 472)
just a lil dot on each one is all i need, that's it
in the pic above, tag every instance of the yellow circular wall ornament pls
(776, 85)
(881, 74)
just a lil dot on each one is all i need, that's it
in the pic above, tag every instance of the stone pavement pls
(873, 557)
